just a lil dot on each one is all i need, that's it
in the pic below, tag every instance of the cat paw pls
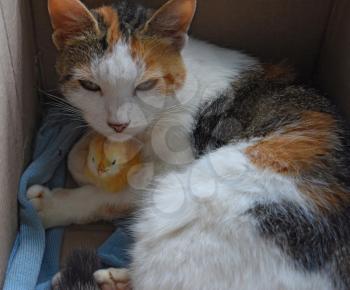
(113, 279)
(38, 196)
(56, 281)
(42, 200)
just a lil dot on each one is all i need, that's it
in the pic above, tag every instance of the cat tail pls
(78, 272)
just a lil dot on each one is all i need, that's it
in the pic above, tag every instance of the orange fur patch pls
(68, 26)
(296, 147)
(162, 61)
(169, 79)
(111, 19)
(174, 17)
(327, 197)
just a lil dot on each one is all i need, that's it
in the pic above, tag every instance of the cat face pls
(120, 65)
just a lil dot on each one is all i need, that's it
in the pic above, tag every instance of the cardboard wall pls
(334, 64)
(17, 112)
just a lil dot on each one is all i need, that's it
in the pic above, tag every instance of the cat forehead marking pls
(118, 66)
(110, 19)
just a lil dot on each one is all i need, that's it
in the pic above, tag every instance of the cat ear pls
(70, 19)
(172, 21)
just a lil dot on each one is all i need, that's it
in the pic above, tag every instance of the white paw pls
(42, 200)
(55, 281)
(113, 279)
(39, 196)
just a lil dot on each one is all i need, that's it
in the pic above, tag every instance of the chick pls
(105, 164)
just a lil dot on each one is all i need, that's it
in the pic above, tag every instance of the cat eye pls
(90, 86)
(147, 85)
(114, 162)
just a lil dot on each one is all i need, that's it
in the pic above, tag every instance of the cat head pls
(120, 65)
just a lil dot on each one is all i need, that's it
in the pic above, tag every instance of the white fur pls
(117, 75)
(62, 207)
(194, 232)
(112, 279)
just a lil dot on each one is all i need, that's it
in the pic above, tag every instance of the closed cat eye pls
(90, 86)
(147, 85)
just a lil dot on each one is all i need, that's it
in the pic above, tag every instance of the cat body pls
(257, 209)
(249, 171)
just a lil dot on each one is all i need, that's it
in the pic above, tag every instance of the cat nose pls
(119, 128)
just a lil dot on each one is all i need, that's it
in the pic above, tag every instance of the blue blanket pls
(35, 254)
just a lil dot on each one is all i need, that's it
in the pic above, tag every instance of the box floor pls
(84, 236)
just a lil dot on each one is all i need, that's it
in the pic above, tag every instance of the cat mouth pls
(120, 137)
(126, 135)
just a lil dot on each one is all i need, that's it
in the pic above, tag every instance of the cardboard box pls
(312, 35)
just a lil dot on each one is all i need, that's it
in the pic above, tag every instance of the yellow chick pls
(108, 164)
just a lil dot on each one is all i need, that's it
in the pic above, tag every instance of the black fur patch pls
(78, 271)
(313, 241)
(132, 16)
(216, 125)
(308, 240)
(253, 107)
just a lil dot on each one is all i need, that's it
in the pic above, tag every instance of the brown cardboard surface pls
(84, 237)
(17, 112)
(334, 66)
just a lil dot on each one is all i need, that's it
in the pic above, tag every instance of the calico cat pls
(251, 176)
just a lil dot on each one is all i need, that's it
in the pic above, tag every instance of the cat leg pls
(113, 279)
(60, 207)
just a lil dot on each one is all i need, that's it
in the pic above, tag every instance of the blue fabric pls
(35, 254)
(115, 251)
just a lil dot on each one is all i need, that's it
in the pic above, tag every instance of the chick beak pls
(101, 169)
